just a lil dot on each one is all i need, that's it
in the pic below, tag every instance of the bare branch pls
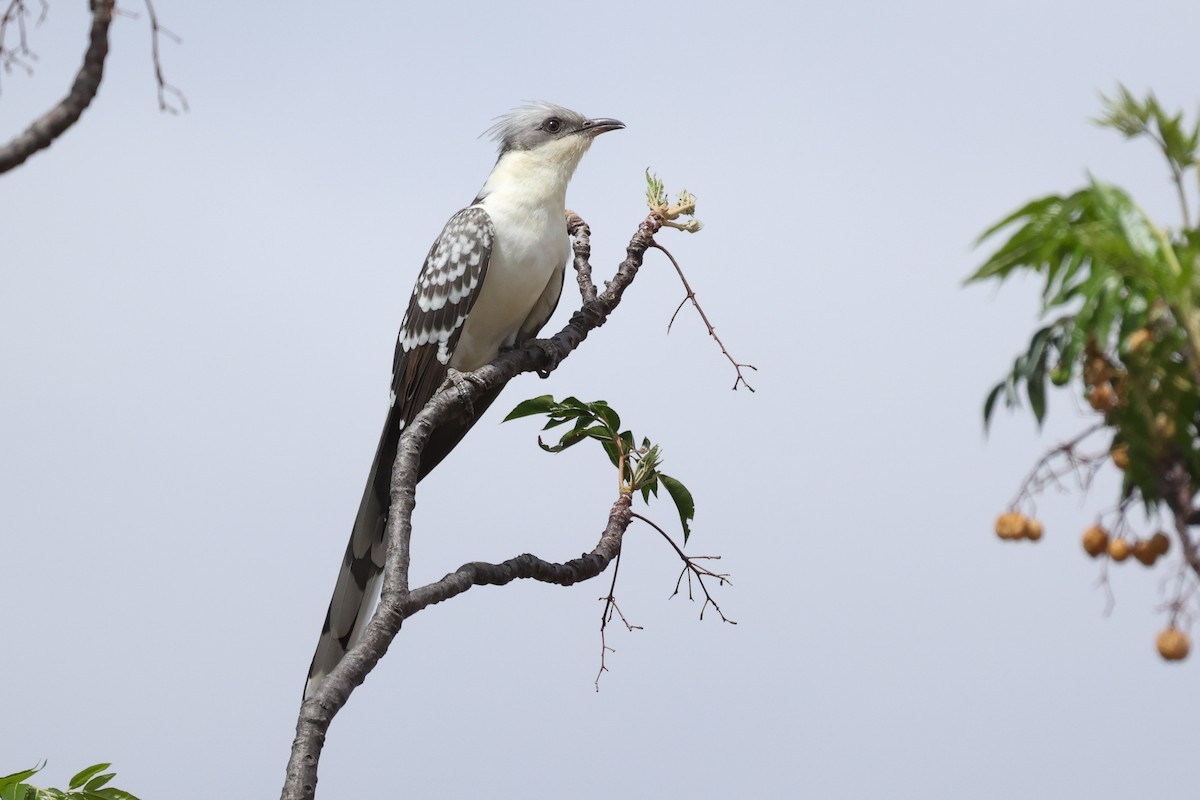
(582, 245)
(690, 569)
(397, 602)
(610, 606)
(741, 379)
(1058, 462)
(54, 122)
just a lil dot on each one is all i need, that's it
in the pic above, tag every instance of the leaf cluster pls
(1135, 118)
(88, 784)
(1120, 297)
(638, 465)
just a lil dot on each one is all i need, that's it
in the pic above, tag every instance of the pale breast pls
(527, 251)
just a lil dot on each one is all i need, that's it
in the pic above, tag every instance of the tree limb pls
(397, 602)
(44, 130)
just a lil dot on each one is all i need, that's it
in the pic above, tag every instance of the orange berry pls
(1160, 543)
(1103, 397)
(1033, 529)
(1120, 456)
(1010, 525)
(1173, 644)
(1095, 540)
(1144, 552)
(1118, 549)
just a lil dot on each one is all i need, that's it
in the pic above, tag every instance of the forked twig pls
(610, 606)
(164, 88)
(691, 295)
(21, 54)
(690, 569)
(1045, 473)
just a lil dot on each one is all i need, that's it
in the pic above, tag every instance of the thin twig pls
(1044, 473)
(690, 568)
(741, 379)
(164, 88)
(21, 55)
(610, 605)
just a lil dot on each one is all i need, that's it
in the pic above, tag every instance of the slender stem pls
(1183, 203)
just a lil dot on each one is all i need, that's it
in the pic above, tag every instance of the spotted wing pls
(446, 290)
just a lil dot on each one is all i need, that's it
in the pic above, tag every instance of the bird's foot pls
(460, 381)
(551, 350)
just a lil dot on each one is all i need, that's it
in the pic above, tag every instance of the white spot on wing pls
(448, 281)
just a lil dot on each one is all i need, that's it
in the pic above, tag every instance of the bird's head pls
(537, 125)
(548, 133)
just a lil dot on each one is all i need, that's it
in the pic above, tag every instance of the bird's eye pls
(552, 125)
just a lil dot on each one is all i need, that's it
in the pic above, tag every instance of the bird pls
(490, 282)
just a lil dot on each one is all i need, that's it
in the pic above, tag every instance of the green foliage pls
(1134, 118)
(88, 784)
(1120, 297)
(637, 465)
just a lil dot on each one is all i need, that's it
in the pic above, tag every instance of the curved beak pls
(594, 127)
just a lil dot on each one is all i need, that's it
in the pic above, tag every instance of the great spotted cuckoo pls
(490, 282)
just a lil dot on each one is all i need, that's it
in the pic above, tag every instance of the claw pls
(460, 385)
(547, 347)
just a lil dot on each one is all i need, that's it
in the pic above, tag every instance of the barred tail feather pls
(360, 576)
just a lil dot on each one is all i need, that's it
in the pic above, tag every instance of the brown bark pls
(44, 130)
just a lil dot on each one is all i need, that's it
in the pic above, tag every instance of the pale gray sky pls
(196, 322)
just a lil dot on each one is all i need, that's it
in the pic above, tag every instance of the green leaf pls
(990, 404)
(99, 781)
(20, 777)
(84, 775)
(1038, 208)
(1035, 357)
(610, 447)
(600, 432)
(555, 422)
(683, 502)
(569, 439)
(112, 793)
(610, 417)
(1035, 388)
(648, 487)
(534, 405)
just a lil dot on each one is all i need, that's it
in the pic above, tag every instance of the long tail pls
(361, 573)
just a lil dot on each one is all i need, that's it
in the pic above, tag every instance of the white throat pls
(537, 177)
